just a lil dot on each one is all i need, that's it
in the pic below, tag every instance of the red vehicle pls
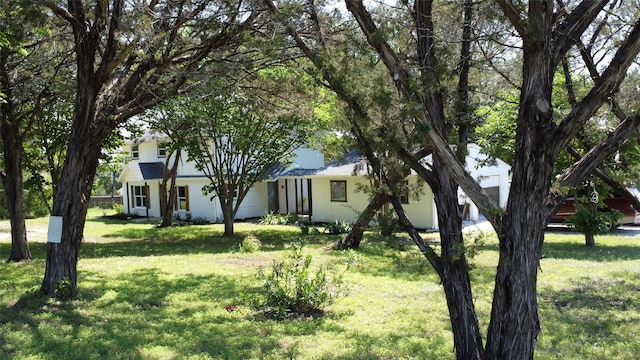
(619, 203)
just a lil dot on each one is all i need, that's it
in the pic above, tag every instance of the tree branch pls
(514, 17)
(573, 26)
(606, 85)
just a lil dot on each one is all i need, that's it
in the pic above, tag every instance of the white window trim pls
(135, 154)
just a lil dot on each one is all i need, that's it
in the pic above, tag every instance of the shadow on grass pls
(143, 314)
(606, 311)
(150, 240)
(415, 342)
(576, 251)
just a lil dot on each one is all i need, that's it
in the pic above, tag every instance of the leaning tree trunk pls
(72, 193)
(354, 237)
(168, 197)
(71, 203)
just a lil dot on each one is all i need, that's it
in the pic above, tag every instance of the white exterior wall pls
(148, 152)
(324, 210)
(420, 212)
(154, 201)
(255, 203)
(199, 204)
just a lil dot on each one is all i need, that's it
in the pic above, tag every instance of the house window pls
(135, 152)
(183, 198)
(162, 150)
(339, 190)
(403, 191)
(139, 198)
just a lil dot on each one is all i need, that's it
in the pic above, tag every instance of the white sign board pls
(54, 234)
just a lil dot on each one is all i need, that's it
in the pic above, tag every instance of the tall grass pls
(152, 293)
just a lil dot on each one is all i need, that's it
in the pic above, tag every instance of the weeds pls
(292, 288)
(338, 227)
(272, 218)
(250, 244)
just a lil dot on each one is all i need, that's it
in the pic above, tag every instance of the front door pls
(272, 196)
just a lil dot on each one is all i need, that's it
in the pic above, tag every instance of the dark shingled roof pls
(152, 170)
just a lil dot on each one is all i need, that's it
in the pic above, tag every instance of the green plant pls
(338, 227)
(387, 222)
(118, 208)
(590, 220)
(304, 226)
(62, 289)
(293, 288)
(250, 244)
(272, 218)
(199, 221)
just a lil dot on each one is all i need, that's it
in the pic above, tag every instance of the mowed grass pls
(150, 293)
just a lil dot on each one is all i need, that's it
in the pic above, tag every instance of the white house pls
(330, 192)
(325, 193)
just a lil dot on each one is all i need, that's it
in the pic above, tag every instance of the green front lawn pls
(149, 293)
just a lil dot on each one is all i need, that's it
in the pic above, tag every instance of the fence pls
(104, 201)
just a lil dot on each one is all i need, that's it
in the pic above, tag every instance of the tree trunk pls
(167, 209)
(515, 323)
(72, 193)
(168, 197)
(113, 188)
(13, 183)
(589, 239)
(71, 203)
(354, 237)
(13, 179)
(455, 270)
(228, 215)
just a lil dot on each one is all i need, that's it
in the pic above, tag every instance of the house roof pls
(354, 163)
(143, 171)
(148, 135)
(344, 166)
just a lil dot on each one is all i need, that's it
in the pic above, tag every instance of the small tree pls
(590, 219)
(235, 144)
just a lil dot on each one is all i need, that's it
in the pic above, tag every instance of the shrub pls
(250, 244)
(304, 226)
(338, 227)
(272, 218)
(387, 222)
(200, 221)
(118, 208)
(293, 289)
(590, 220)
(62, 289)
